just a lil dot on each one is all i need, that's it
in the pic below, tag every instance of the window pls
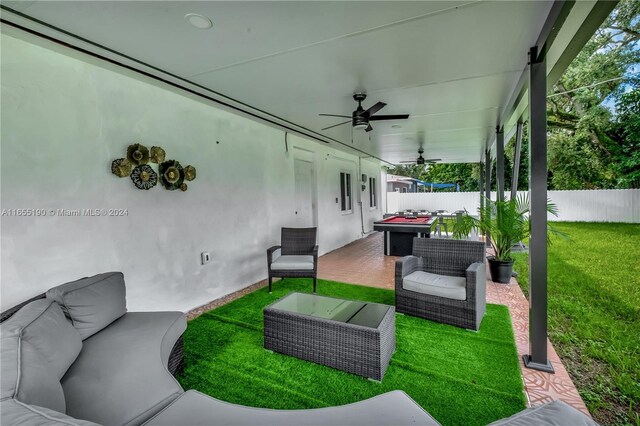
(345, 191)
(372, 192)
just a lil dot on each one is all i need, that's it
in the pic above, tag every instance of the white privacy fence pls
(606, 205)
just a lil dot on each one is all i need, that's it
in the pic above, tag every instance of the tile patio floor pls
(363, 262)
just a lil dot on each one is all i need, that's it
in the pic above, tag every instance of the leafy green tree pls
(586, 147)
(410, 170)
(464, 174)
(575, 163)
(627, 153)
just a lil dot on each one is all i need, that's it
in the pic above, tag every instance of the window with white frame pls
(373, 202)
(345, 192)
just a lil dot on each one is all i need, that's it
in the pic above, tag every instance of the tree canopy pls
(591, 111)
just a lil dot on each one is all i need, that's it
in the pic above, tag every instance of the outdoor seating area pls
(39, 383)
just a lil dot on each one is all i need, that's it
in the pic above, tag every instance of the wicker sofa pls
(444, 281)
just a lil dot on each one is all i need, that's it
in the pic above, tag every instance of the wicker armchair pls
(296, 257)
(444, 281)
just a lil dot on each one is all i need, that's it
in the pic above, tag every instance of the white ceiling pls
(451, 65)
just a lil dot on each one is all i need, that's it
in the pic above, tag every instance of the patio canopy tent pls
(467, 73)
(417, 185)
(433, 185)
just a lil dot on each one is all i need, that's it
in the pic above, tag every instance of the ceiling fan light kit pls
(361, 118)
(421, 160)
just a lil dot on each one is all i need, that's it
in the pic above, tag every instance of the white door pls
(303, 171)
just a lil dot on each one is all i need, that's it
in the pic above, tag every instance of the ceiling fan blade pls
(433, 159)
(408, 162)
(336, 125)
(377, 107)
(389, 117)
(369, 128)
(335, 115)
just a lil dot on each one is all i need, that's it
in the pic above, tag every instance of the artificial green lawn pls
(458, 376)
(594, 314)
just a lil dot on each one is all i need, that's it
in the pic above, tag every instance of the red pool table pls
(399, 232)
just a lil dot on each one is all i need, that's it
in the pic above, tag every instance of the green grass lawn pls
(594, 314)
(460, 377)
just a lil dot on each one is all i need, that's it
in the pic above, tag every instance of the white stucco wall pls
(64, 119)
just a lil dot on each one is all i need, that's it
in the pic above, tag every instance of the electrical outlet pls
(205, 257)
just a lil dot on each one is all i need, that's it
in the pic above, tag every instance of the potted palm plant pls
(507, 223)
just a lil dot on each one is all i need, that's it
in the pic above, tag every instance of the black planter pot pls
(500, 270)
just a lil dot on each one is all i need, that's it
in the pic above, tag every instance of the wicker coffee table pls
(356, 337)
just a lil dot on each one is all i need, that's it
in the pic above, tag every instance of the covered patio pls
(251, 98)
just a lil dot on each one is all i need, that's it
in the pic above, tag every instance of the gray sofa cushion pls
(121, 377)
(45, 327)
(436, 285)
(556, 413)
(38, 345)
(92, 303)
(35, 383)
(392, 408)
(13, 412)
(292, 262)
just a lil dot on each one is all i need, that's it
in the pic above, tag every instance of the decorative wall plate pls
(121, 167)
(171, 174)
(138, 154)
(144, 177)
(189, 173)
(157, 155)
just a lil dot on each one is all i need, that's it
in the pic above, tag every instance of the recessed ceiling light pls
(198, 21)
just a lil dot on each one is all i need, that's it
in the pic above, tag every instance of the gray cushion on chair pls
(556, 413)
(14, 412)
(436, 285)
(292, 262)
(38, 345)
(92, 303)
(121, 377)
(391, 408)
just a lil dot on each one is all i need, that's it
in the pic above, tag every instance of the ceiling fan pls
(360, 118)
(421, 160)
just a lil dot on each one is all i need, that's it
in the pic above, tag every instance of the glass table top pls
(330, 308)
